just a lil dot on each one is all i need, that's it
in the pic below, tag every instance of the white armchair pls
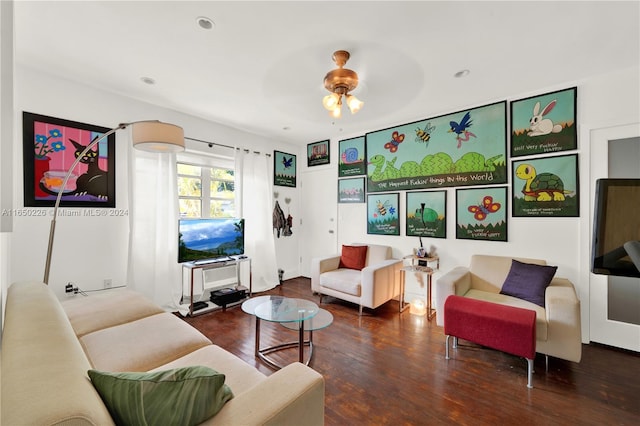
(557, 323)
(377, 283)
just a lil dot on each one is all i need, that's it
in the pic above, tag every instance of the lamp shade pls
(155, 136)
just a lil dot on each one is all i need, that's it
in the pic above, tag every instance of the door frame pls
(595, 325)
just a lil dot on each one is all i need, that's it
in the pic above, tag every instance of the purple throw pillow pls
(528, 281)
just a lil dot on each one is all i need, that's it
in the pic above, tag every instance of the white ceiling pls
(261, 68)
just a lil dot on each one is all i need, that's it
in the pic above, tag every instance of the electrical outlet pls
(107, 283)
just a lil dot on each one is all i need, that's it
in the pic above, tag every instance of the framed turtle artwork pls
(546, 187)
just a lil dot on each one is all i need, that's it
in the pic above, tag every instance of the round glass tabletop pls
(249, 305)
(285, 309)
(321, 320)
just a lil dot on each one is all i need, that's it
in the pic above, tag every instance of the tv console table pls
(234, 262)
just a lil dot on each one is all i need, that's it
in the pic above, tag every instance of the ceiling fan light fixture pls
(340, 82)
(354, 104)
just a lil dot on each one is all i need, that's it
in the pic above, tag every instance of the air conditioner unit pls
(209, 278)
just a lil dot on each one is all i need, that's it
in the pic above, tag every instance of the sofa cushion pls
(142, 345)
(342, 280)
(528, 281)
(181, 396)
(113, 307)
(353, 257)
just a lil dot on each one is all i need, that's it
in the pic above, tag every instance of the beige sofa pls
(377, 283)
(558, 331)
(48, 346)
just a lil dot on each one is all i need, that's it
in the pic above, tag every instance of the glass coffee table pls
(295, 314)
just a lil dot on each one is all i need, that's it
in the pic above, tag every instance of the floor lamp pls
(152, 136)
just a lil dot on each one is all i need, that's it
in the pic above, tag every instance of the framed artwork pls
(466, 148)
(49, 149)
(351, 190)
(284, 169)
(383, 214)
(426, 214)
(318, 153)
(351, 158)
(546, 186)
(481, 214)
(544, 123)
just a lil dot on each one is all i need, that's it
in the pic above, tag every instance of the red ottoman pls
(505, 328)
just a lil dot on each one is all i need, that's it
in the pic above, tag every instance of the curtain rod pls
(211, 144)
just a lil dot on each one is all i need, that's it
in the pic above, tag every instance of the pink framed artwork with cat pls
(50, 146)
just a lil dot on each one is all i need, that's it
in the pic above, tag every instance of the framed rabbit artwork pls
(544, 124)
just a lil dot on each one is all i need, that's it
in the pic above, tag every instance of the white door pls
(603, 328)
(319, 201)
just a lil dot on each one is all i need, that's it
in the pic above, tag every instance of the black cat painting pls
(92, 182)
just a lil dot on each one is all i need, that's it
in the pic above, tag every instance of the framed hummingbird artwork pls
(464, 148)
(284, 169)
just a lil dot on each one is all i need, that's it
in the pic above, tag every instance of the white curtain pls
(254, 202)
(153, 267)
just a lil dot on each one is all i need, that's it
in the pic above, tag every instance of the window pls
(205, 187)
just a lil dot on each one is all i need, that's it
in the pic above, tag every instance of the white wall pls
(89, 249)
(603, 101)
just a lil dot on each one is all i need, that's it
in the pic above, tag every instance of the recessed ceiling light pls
(462, 73)
(205, 23)
(286, 128)
(148, 80)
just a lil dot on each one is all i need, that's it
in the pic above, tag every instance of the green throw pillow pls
(181, 396)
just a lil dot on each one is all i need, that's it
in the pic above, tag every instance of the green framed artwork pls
(546, 186)
(426, 214)
(383, 214)
(466, 148)
(284, 169)
(351, 157)
(544, 123)
(351, 190)
(318, 153)
(481, 214)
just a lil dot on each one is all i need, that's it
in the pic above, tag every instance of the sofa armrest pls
(320, 265)
(455, 282)
(380, 282)
(562, 307)
(293, 395)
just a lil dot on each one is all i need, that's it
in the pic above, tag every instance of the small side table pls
(417, 267)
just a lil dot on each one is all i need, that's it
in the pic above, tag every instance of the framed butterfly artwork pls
(481, 213)
(464, 148)
(284, 169)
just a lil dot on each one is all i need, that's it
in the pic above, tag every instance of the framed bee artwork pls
(351, 190)
(546, 187)
(464, 148)
(426, 214)
(318, 153)
(544, 124)
(284, 169)
(481, 214)
(383, 214)
(351, 157)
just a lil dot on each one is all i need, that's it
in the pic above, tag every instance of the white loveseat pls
(48, 346)
(558, 330)
(377, 283)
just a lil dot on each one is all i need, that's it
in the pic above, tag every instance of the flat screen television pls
(616, 228)
(209, 239)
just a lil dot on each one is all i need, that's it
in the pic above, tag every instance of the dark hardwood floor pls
(386, 368)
